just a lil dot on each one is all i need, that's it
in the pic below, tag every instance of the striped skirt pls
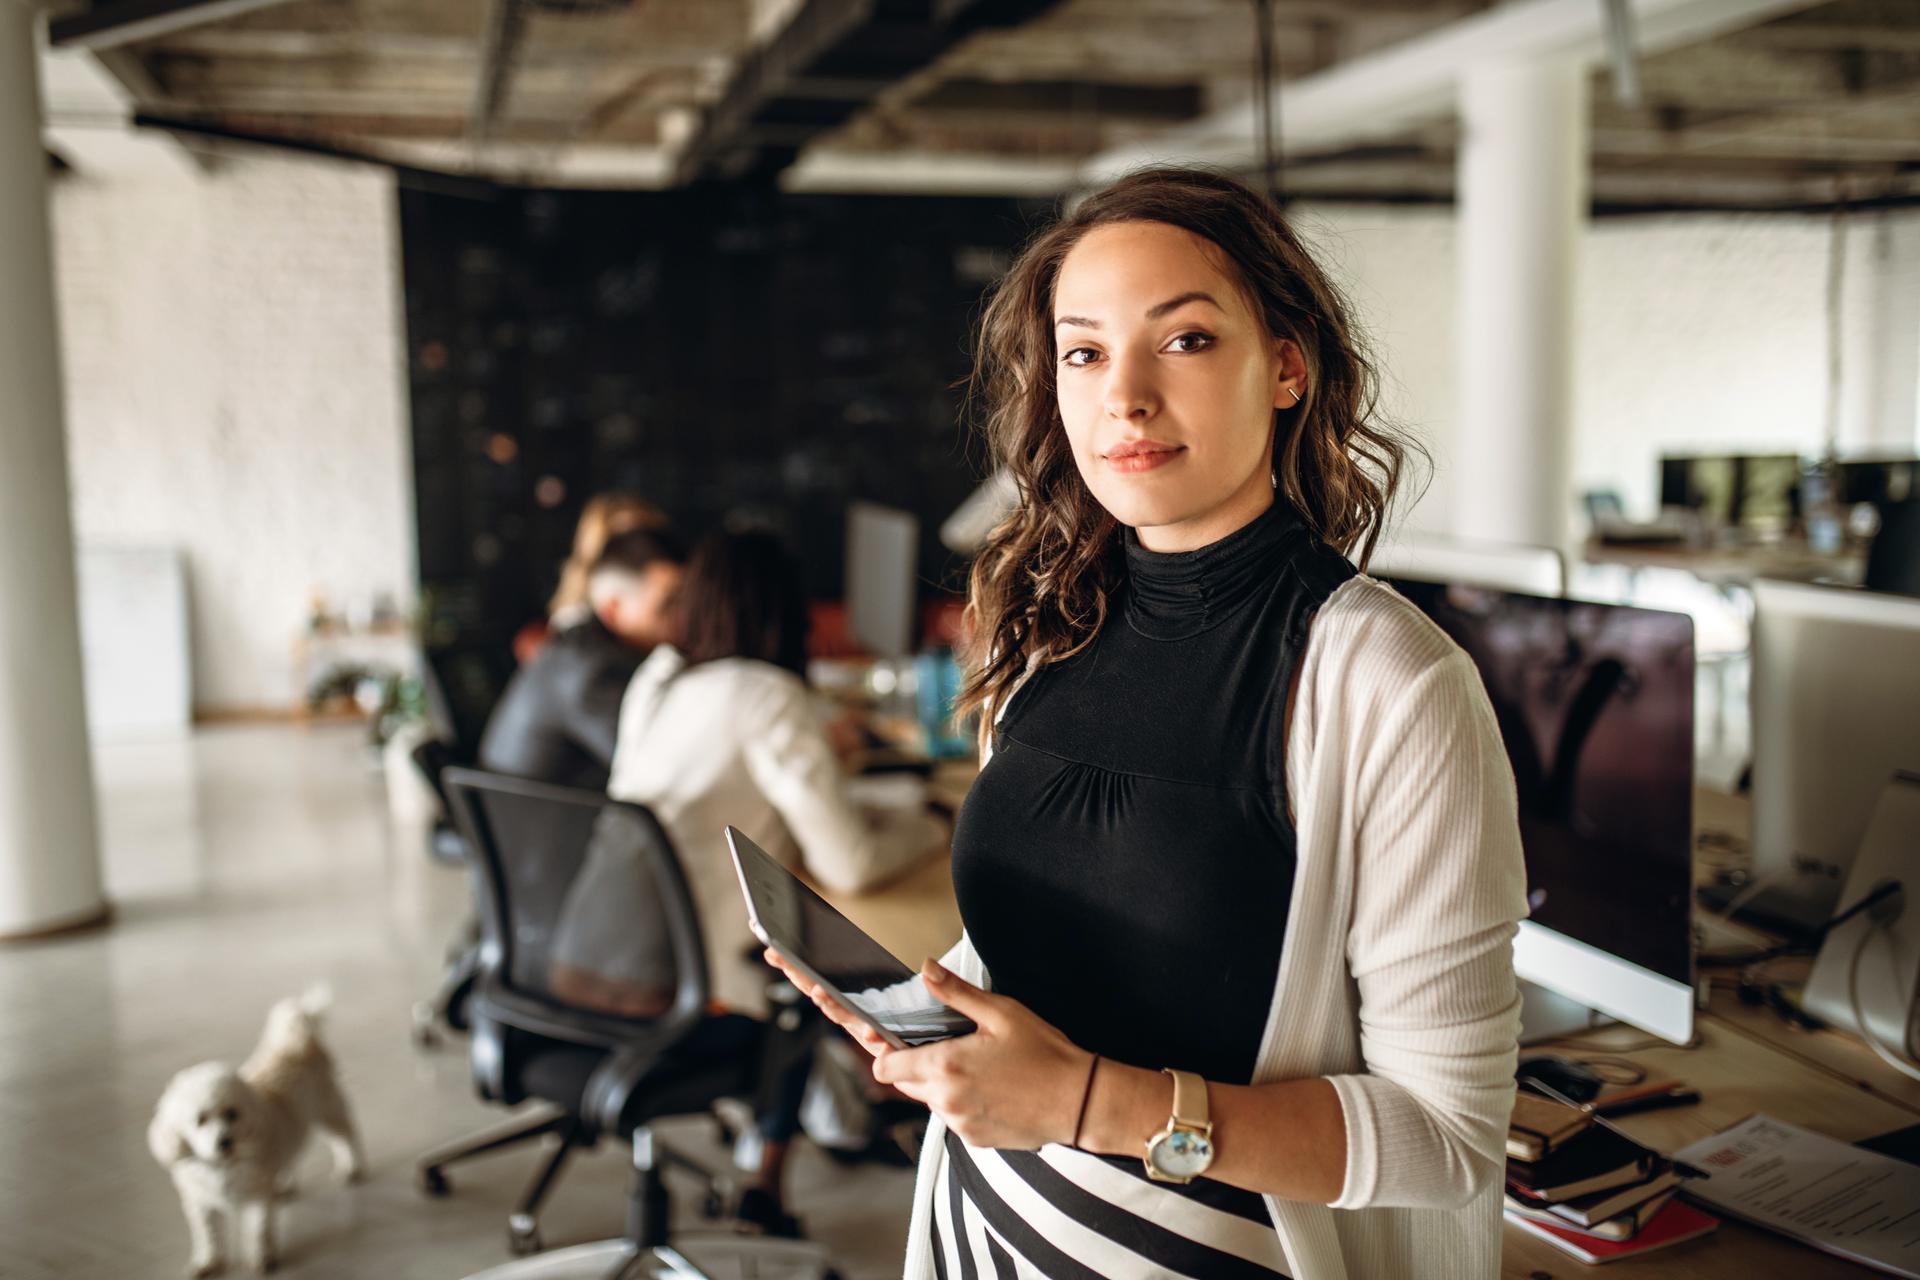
(1063, 1214)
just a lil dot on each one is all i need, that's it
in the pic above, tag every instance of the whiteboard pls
(134, 641)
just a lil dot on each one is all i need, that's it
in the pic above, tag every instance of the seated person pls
(558, 718)
(605, 517)
(719, 728)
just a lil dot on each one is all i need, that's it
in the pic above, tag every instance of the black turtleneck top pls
(1124, 864)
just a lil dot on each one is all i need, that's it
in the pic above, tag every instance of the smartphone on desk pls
(817, 940)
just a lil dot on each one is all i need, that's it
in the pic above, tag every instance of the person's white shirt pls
(738, 742)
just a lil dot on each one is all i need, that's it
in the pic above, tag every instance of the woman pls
(1244, 853)
(720, 728)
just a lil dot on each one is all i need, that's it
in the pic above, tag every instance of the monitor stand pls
(1548, 1015)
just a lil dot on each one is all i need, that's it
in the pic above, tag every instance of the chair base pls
(523, 1226)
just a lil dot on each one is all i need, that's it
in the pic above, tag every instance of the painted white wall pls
(1693, 332)
(236, 388)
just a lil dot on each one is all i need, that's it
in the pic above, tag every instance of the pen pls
(1650, 1102)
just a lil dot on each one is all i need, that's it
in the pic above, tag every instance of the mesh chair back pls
(1893, 562)
(584, 908)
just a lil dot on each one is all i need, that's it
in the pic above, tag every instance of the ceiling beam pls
(107, 26)
(760, 125)
(1107, 101)
(1418, 79)
(506, 25)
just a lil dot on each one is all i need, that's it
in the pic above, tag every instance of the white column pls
(49, 856)
(1522, 201)
(1880, 336)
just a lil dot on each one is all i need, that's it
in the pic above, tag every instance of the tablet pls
(829, 948)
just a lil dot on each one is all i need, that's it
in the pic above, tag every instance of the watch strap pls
(1190, 1109)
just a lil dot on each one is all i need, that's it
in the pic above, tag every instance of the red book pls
(1677, 1222)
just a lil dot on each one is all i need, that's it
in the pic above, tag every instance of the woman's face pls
(1167, 382)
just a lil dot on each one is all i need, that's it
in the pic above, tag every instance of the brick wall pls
(233, 346)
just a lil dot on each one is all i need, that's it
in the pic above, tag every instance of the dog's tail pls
(293, 1024)
(317, 999)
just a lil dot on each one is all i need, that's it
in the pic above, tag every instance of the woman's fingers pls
(824, 1000)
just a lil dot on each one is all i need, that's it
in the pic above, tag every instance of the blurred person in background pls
(605, 516)
(558, 718)
(720, 728)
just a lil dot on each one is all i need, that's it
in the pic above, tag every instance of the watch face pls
(1183, 1154)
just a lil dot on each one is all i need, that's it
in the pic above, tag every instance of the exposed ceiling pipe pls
(1623, 52)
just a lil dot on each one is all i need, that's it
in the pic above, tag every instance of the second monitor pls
(1595, 704)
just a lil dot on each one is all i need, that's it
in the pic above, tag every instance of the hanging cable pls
(1836, 285)
(1899, 1060)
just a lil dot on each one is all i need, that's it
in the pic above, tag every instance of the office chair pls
(1893, 561)
(571, 883)
(445, 844)
(460, 684)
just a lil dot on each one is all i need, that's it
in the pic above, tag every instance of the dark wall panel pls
(729, 354)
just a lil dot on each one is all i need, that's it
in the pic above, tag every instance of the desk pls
(915, 916)
(1736, 565)
(1738, 1073)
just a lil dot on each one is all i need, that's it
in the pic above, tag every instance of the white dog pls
(229, 1138)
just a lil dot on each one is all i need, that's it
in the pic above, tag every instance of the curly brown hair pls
(1040, 588)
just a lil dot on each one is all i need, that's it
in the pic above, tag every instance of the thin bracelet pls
(1086, 1096)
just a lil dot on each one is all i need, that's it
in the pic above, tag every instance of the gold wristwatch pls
(1183, 1150)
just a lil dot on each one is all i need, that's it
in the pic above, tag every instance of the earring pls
(1296, 397)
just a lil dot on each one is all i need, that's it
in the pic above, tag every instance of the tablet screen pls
(803, 927)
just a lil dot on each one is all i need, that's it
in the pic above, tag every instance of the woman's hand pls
(1015, 1082)
(837, 1013)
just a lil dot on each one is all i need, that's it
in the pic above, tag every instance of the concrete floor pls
(244, 863)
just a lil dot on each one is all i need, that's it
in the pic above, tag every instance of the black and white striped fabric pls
(1061, 1214)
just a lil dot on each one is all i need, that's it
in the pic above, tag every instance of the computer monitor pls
(1756, 491)
(1504, 566)
(1836, 713)
(1878, 480)
(883, 557)
(1595, 705)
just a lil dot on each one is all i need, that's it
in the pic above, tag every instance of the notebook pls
(1598, 1160)
(1677, 1222)
(1585, 1211)
(1541, 1125)
(1621, 1226)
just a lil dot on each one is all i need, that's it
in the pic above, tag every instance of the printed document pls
(1854, 1203)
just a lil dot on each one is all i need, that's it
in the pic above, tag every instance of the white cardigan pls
(1396, 980)
(736, 742)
